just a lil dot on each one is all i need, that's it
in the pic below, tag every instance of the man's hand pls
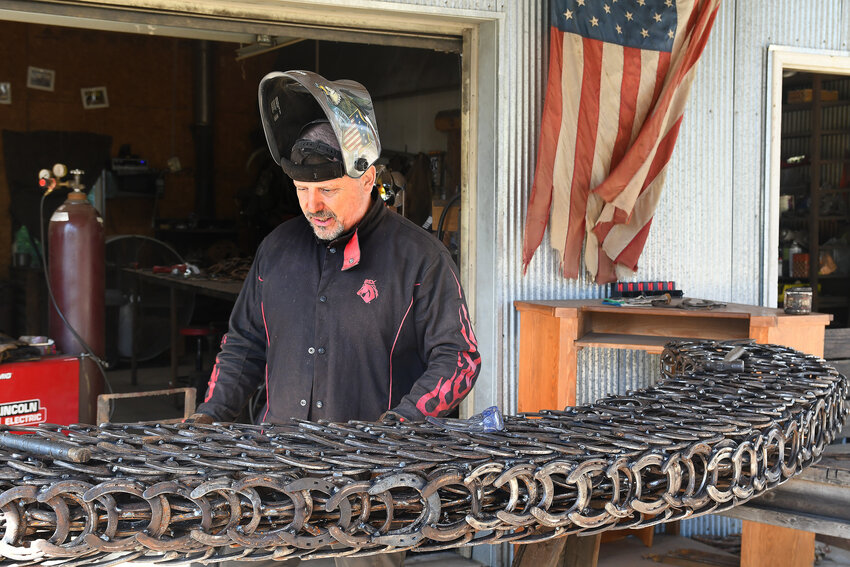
(390, 417)
(199, 418)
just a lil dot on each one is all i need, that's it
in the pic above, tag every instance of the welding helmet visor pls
(292, 99)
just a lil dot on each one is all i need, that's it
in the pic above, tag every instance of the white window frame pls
(780, 59)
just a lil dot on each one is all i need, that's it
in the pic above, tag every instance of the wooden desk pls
(227, 290)
(552, 333)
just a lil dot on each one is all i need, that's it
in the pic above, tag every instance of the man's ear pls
(368, 179)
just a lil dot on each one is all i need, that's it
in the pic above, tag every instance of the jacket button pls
(311, 350)
(303, 403)
(321, 350)
(319, 404)
(323, 298)
(332, 250)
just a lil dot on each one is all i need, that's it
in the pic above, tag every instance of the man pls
(351, 312)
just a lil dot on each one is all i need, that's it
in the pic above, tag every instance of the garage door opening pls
(187, 163)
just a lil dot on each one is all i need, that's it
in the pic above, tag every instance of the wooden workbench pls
(552, 332)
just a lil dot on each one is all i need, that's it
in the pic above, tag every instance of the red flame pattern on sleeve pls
(449, 391)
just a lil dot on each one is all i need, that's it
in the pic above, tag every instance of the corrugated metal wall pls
(707, 232)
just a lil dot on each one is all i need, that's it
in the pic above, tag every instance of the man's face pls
(334, 206)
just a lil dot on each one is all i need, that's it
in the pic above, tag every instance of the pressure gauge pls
(60, 170)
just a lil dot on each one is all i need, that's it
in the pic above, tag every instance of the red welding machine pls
(41, 391)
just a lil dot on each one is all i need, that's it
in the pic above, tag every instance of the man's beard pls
(328, 233)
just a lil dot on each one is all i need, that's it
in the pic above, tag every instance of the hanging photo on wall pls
(41, 79)
(5, 93)
(94, 97)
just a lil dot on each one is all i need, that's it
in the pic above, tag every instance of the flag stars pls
(644, 24)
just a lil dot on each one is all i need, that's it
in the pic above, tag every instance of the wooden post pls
(764, 545)
(566, 551)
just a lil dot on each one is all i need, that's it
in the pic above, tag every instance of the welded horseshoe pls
(406, 536)
(156, 525)
(77, 546)
(817, 430)
(674, 482)
(359, 489)
(544, 477)
(482, 476)
(776, 439)
(616, 506)
(758, 482)
(73, 490)
(62, 514)
(738, 469)
(271, 537)
(162, 489)
(453, 531)
(525, 474)
(305, 486)
(713, 468)
(672, 468)
(789, 461)
(15, 527)
(584, 473)
(696, 495)
(239, 533)
(220, 486)
(15, 524)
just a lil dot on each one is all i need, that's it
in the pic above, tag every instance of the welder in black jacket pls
(351, 312)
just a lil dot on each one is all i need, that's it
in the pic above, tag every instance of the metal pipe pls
(203, 129)
(43, 447)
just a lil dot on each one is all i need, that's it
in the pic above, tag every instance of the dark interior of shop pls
(167, 133)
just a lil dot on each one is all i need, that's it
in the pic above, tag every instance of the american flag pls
(619, 76)
(356, 132)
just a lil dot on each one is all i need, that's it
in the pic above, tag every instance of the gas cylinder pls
(77, 272)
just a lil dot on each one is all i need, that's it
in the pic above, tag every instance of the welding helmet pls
(292, 99)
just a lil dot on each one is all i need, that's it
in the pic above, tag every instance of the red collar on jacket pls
(351, 253)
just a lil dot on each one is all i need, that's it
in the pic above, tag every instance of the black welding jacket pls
(374, 320)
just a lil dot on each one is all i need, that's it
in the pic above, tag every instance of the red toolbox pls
(40, 391)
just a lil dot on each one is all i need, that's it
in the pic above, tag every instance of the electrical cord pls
(443, 215)
(101, 364)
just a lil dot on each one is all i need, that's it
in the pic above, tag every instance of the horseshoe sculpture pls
(727, 422)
